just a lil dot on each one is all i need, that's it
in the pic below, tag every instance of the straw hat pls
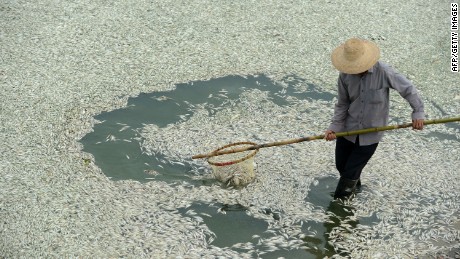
(355, 56)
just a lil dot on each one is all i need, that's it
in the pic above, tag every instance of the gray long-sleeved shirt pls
(363, 102)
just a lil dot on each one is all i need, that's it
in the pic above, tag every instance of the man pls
(363, 102)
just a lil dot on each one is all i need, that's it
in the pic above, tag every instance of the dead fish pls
(163, 98)
(124, 128)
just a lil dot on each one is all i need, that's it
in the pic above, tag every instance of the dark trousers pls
(351, 158)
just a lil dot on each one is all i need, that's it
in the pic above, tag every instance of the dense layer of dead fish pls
(63, 63)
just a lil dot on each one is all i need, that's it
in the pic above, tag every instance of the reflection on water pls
(235, 227)
(339, 214)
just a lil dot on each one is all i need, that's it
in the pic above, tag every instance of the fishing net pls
(235, 169)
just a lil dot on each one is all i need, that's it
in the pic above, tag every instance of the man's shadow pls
(321, 196)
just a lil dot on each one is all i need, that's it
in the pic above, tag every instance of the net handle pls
(219, 151)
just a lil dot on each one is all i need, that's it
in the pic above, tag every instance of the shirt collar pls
(370, 70)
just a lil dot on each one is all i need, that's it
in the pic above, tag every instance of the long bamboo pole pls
(339, 134)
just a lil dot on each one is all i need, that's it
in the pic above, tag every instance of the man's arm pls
(408, 91)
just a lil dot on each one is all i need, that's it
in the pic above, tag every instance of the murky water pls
(119, 147)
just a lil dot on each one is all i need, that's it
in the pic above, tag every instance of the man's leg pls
(350, 161)
(343, 150)
(357, 160)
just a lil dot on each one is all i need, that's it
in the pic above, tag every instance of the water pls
(115, 142)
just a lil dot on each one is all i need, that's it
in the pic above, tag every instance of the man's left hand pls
(417, 124)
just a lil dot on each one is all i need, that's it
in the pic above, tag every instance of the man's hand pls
(417, 124)
(329, 135)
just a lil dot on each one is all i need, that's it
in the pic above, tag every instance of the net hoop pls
(250, 155)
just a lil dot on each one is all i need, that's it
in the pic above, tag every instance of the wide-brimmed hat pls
(355, 56)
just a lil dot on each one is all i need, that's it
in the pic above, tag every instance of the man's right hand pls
(329, 135)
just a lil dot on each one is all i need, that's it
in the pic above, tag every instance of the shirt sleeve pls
(408, 91)
(341, 107)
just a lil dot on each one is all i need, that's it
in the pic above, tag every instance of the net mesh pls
(236, 169)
